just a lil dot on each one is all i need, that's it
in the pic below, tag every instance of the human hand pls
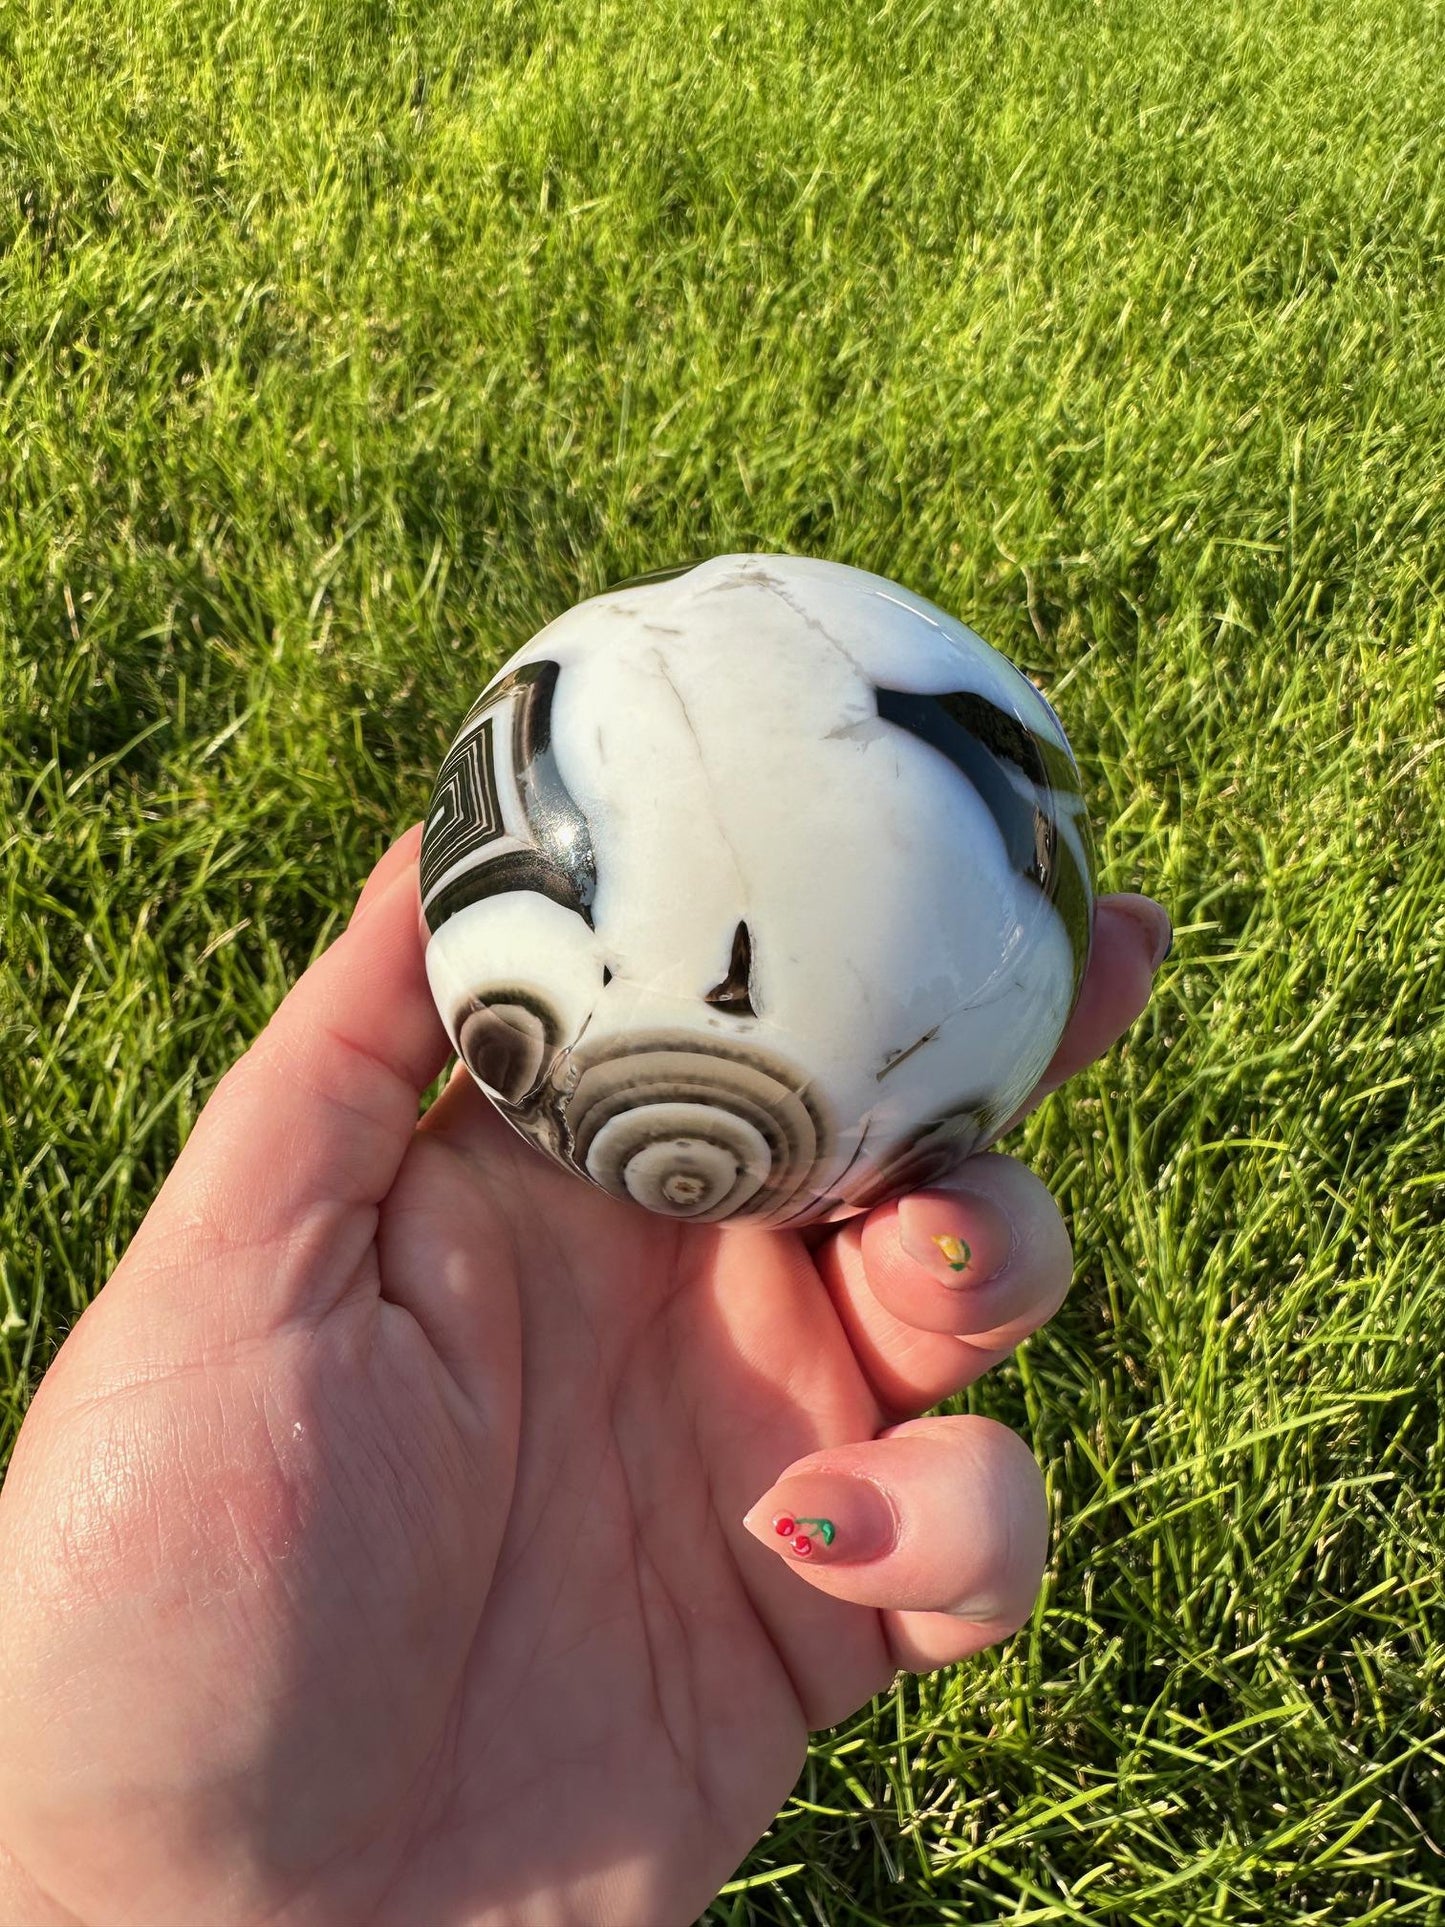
(373, 1550)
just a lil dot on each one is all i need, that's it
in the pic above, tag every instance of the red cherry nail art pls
(786, 1527)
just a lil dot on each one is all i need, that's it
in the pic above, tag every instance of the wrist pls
(22, 1904)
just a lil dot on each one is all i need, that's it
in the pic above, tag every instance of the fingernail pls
(825, 1519)
(364, 902)
(959, 1237)
(375, 889)
(1154, 919)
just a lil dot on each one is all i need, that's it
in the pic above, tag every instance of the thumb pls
(304, 1135)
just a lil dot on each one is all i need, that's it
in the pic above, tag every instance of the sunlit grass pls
(343, 345)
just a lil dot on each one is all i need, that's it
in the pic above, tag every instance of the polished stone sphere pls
(758, 892)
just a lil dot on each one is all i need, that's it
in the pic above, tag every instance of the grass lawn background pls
(344, 343)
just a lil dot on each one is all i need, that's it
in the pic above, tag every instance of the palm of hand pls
(634, 1702)
(398, 1548)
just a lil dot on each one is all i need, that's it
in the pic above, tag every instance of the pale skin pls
(373, 1551)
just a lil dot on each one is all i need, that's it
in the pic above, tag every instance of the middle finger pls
(936, 1288)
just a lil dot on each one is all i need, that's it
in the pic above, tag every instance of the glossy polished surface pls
(758, 892)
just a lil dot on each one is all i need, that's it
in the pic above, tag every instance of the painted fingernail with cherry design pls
(825, 1519)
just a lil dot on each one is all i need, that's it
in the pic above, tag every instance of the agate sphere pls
(759, 892)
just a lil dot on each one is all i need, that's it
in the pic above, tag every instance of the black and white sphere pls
(759, 892)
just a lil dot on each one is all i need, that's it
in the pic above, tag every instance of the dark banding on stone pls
(508, 1039)
(559, 827)
(465, 812)
(705, 1096)
(655, 575)
(979, 739)
(542, 1116)
(508, 870)
(465, 817)
(930, 1152)
(734, 993)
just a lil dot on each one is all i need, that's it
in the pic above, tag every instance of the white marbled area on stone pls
(719, 732)
(892, 636)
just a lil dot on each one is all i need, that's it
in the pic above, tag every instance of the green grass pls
(343, 343)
